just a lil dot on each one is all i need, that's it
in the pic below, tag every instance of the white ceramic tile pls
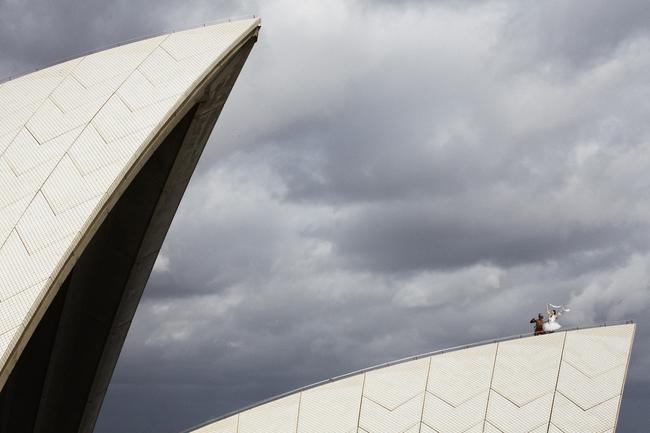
(71, 94)
(105, 65)
(32, 89)
(90, 152)
(228, 425)
(216, 38)
(376, 418)
(67, 187)
(587, 391)
(279, 416)
(14, 309)
(21, 270)
(323, 409)
(116, 120)
(138, 93)
(6, 140)
(454, 419)
(527, 368)
(9, 216)
(489, 428)
(16, 187)
(5, 339)
(332, 408)
(50, 122)
(15, 120)
(393, 386)
(457, 376)
(40, 227)
(25, 153)
(597, 350)
(65, 136)
(426, 429)
(510, 418)
(570, 418)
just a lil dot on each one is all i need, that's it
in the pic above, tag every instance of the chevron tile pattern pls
(566, 382)
(68, 134)
(589, 387)
(523, 383)
(333, 407)
(457, 389)
(393, 397)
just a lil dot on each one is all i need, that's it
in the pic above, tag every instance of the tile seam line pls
(557, 381)
(48, 96)
(68, 209)
(472, 397)
(590, 407)
(9, 359)
(410, 427)
(437, 352)
(627, 367)
(74, 77)
(487, 402)
(492, 424)
(8, 354)
(144, 107)
(399, 405)
(424, 398)
(429, 426)
(56, 104)
(7, 79)
(40, 189)
(527, 402)
(471, 427)
(45, 143)
(595, 376)
(555, 425)
(18, 293)
(532, 430)
(363, 389)
(298, 412)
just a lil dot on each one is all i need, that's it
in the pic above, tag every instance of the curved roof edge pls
(107, 199)
(8, 78)
(394, 363)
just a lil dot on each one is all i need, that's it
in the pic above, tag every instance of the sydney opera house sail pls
(95, 154)
(565, 382)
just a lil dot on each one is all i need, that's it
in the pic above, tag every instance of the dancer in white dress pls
(551, 325)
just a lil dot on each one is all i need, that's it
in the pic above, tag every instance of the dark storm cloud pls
(382, 172)
(40, 32)
(574, 32)
(451, 235)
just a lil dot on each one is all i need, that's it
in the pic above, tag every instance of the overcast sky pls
(387, 178)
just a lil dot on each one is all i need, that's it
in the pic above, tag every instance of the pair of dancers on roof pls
(543, 326)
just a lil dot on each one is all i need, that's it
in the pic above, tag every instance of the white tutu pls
(551, 326)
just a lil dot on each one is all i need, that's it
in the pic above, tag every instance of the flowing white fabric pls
(551, 325)
(559, 308)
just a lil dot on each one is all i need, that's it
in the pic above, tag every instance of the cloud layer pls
(388, 178)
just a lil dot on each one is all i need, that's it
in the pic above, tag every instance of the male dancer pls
(539, 324)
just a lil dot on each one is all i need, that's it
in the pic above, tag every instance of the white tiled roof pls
(566, 382)
(69, 137)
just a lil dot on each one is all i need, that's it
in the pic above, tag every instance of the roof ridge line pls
(6, 79)
(396, 362)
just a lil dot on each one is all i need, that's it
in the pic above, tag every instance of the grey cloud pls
(573, 32)
(407, 237)
(41, 32)
(387, 178)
